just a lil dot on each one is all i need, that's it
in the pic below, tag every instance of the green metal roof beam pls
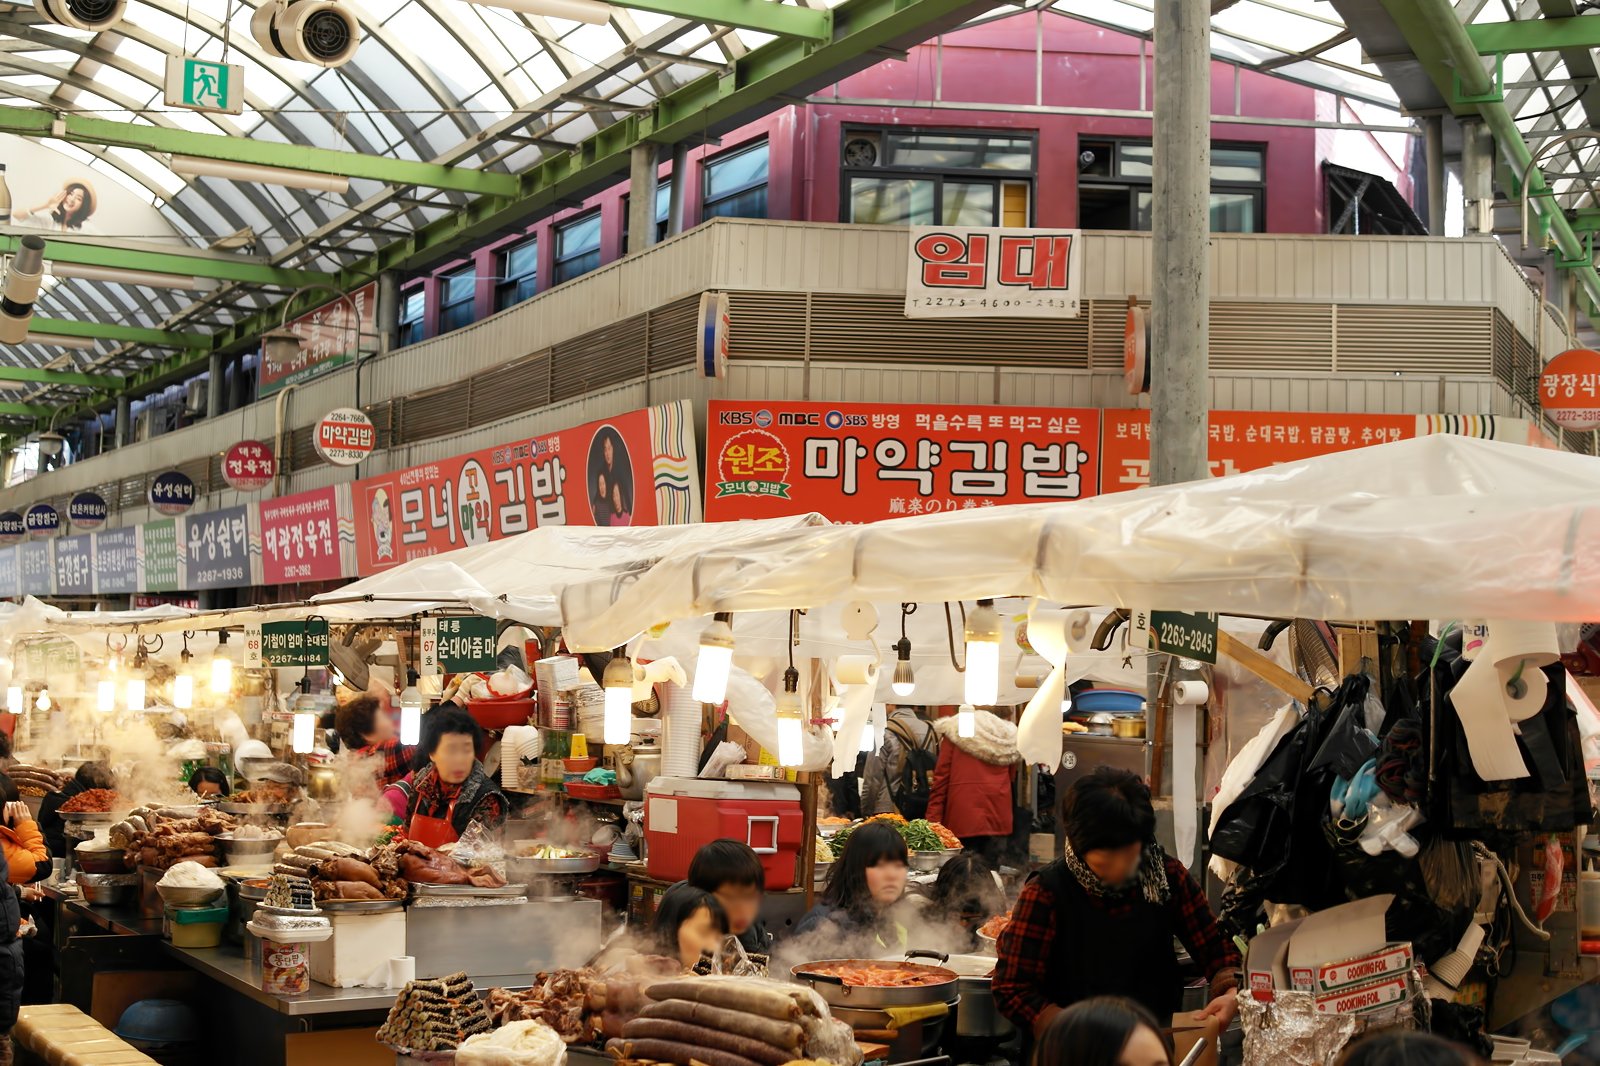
(1534, 35)
(32, 122)
(222, 268)
(763, 15)
(26, 410)
(44, 376)
(110, 331)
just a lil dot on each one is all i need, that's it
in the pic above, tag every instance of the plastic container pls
(498, 714)
(1108, 701)
(359, 945)
(286, 958)
(580, 766)
(682, 814)
(196, 927)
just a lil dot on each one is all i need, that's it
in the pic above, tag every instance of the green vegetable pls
(840, 839)
(920, 836)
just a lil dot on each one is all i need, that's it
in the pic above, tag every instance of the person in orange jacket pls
(27, 860)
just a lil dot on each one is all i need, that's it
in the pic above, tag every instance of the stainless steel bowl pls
(106, 890)
(928, 861)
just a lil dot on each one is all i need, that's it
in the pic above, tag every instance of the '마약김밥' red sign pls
(635, 469)
(857, 462)
(300, 538)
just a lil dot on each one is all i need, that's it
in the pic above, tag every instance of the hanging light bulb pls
(411, 710)
(221, 667)
(14, 699)
(791, 721)
(716, 658)
(904, 682)
(303, 739)
(966, 722)
(618, 683)
(135, 693)
(183, 684)
(983, 655)
(43, 702)
(105, 700)
(1066, 701)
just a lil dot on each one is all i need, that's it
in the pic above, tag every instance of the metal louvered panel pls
(1256, 336)
(199, 471)
(435, 412)
(767, 325)
(1108, 321)
(850, 327)
(1515, 362)
(1418, 340)
(599, 359)
(510, 389)
(302, 449)
(672, 334)
(132, 492)
(384, 420)
(214, 473)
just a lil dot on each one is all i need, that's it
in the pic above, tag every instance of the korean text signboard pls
(116, 561)
(8, 572)
(344, 436)
(35, 571)
(75, 565)
(330, 336)
(1245, 440)
(300, 538)
(42, 520)
(13, 527)
(87, 510)
(296, 643)
(1193, 636)
(970, 272)
(158, 556)
(172, 493)
(1569, 390)
(216, 549)
(636, 469)
(249, 465)
(454, 645)
(866, 462)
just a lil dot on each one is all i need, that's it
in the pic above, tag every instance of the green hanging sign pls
(457, 645)
(287, 643)
(1193, 636)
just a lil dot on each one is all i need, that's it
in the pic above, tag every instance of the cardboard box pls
(1367, 998)
(550, 676)
(1267, 967)
(1393, 959)
(1187, 1031)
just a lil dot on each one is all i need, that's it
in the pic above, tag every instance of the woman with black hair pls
(452, 790)
(689, 922)
(1401, 1047)
(208, 782)
(866, 883)
(1105, 1031)
(966, 894)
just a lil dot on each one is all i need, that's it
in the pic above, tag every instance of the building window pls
(897, 177)
(519, 274)
(736, 184)
(1114, 186)
(412, 307)
(663, 206)
(457, 293)
(577, 247)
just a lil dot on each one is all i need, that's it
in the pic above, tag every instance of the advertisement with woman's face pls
(54, 193)
(610, 479)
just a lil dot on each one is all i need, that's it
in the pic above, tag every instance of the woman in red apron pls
(453, 790)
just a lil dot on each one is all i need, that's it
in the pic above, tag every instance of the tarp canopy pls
(1442, 527)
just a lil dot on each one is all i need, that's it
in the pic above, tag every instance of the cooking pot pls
(940, 988)
(976, 1014)
(1128, 726)
(636, 768)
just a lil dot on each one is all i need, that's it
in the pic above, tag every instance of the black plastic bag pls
(1348, 744)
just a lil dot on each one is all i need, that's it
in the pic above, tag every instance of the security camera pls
(324, 32)
(82, 14)
(21, 288)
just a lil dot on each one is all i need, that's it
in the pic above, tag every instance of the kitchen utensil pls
(106, 890)
(472, 891)
(361, 906)
(100, 861)
(182, 896)
(926, 861)
(324, 782)
(1127, 726)
(834, 991)
(977, 1015)
(581, 864)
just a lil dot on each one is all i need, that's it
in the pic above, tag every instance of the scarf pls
(1151, 879)
(433, 795)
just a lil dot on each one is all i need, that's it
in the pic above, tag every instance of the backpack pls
(914, 787)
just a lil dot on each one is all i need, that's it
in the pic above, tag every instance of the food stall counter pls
(124, 920)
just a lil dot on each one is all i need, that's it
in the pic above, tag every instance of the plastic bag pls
(477, 847)
(1349, 743)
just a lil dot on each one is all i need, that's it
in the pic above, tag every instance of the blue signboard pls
(42, 520)
(87, 510)
(36, 575)
(12, 527)
(116, 561)
(172, 493)
(75, 565)
(215, 549)
(8, 572)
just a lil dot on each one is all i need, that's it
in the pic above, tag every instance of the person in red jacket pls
(974, 781)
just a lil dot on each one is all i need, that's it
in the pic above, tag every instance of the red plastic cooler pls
(682, 814)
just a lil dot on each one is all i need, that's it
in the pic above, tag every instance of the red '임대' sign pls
(636, 469)
(858, 462)
(249, 465)
(1245, 440)
(1569, 390)
(993, 272)
(300, 538)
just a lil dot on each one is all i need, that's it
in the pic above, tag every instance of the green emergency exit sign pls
(202, 85)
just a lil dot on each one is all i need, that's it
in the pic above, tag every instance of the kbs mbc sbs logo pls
(972, 272)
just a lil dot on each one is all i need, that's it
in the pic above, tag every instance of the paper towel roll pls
(1525, 695)
(1047, 632)
(1480, 702)
(1512, 641)
(402, 971)
(1190, 693)
(856, 670)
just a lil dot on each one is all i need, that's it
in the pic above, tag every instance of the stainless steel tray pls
(360, 906)
(254, 808)
(582, 864)
(422, 889)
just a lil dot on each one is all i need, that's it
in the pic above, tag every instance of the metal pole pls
(1433, 146)
(388, 310)
(122, 427)
(680, 182)
(1477, 176)
(214, 386)
(1180, 310)
(642, 197)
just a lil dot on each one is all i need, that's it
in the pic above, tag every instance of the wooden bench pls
(59, 1034)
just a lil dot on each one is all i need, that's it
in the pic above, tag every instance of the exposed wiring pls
(1483, 852)
(949, 632)
(1561, 106)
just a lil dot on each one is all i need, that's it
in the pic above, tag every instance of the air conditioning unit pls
(143, 425)
(195, 401)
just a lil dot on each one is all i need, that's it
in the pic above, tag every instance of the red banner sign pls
(300, 538)
(1244, 440)
(248, 466)
(635, 469)
(857, 462)
(1569, 389)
